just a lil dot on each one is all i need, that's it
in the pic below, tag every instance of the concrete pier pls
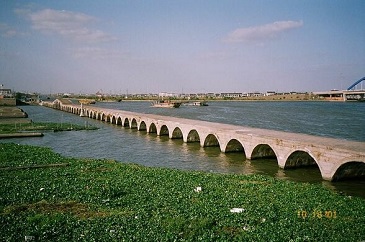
(336, 159)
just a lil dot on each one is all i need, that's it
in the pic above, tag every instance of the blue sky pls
(181, 46)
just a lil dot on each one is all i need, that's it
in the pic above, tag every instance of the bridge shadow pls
(347, 187)
(264, 166)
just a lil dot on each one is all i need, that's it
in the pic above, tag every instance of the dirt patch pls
(79, 210)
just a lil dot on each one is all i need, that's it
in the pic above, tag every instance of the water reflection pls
(265, 167)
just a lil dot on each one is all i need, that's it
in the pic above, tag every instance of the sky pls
(187, 46)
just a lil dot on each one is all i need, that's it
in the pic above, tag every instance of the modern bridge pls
(336, 159)
(355, 92)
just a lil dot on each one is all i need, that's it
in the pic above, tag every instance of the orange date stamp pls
(317, 214)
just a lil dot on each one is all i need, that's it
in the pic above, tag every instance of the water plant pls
(105, 200)
(25, 127)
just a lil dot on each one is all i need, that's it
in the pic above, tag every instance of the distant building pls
(5, 93)
(169, 95)
(6, 97)
(255, 94)
(99, 94)
(270, 93)
(231, 94)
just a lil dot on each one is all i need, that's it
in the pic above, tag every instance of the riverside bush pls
(104, 200)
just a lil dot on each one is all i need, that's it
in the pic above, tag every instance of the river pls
(341, 120)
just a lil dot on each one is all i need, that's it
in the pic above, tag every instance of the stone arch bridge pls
(336, 159)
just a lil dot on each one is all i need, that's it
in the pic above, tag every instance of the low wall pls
(7, 102)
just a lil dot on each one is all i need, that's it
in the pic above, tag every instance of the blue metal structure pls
(353, 85)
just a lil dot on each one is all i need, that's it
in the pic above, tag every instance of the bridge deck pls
(332, 143)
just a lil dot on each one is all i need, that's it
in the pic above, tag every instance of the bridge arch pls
(300, 158)
(211, 141)
(355, 83)
(176, 133)
(152, 128)
(164, 130)
(263, 151)
(113, 120)
(350, 170)
(101, 116)
(134, 123)
(234, 146)
(119, 121)
(142, 126)
(126, 123)
(193, 136)
(107, 118)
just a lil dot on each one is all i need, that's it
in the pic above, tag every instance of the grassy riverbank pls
(30, 127)
(47, 197)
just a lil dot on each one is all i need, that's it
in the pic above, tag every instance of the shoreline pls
(21, 135)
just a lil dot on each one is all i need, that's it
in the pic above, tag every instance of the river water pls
(342, 120)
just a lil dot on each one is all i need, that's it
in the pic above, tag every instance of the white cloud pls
(262, 32)
(68, 24)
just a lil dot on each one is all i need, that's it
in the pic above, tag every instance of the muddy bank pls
(16, 116)
(9, 113)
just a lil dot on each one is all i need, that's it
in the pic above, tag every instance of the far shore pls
(272, 98)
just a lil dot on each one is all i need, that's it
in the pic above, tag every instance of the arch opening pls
(263, 151)
(353, 170)
(234, 146)
(113, 120)
(299, 159)
(126, 122)
(142, 126)
(177, 133)
(134, 124)
(164, 130)
(193, 136)
(119, 121)
(211, 141)
(152, 128)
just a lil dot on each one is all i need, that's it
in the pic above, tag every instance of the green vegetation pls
(103, 200)
(26, 127)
